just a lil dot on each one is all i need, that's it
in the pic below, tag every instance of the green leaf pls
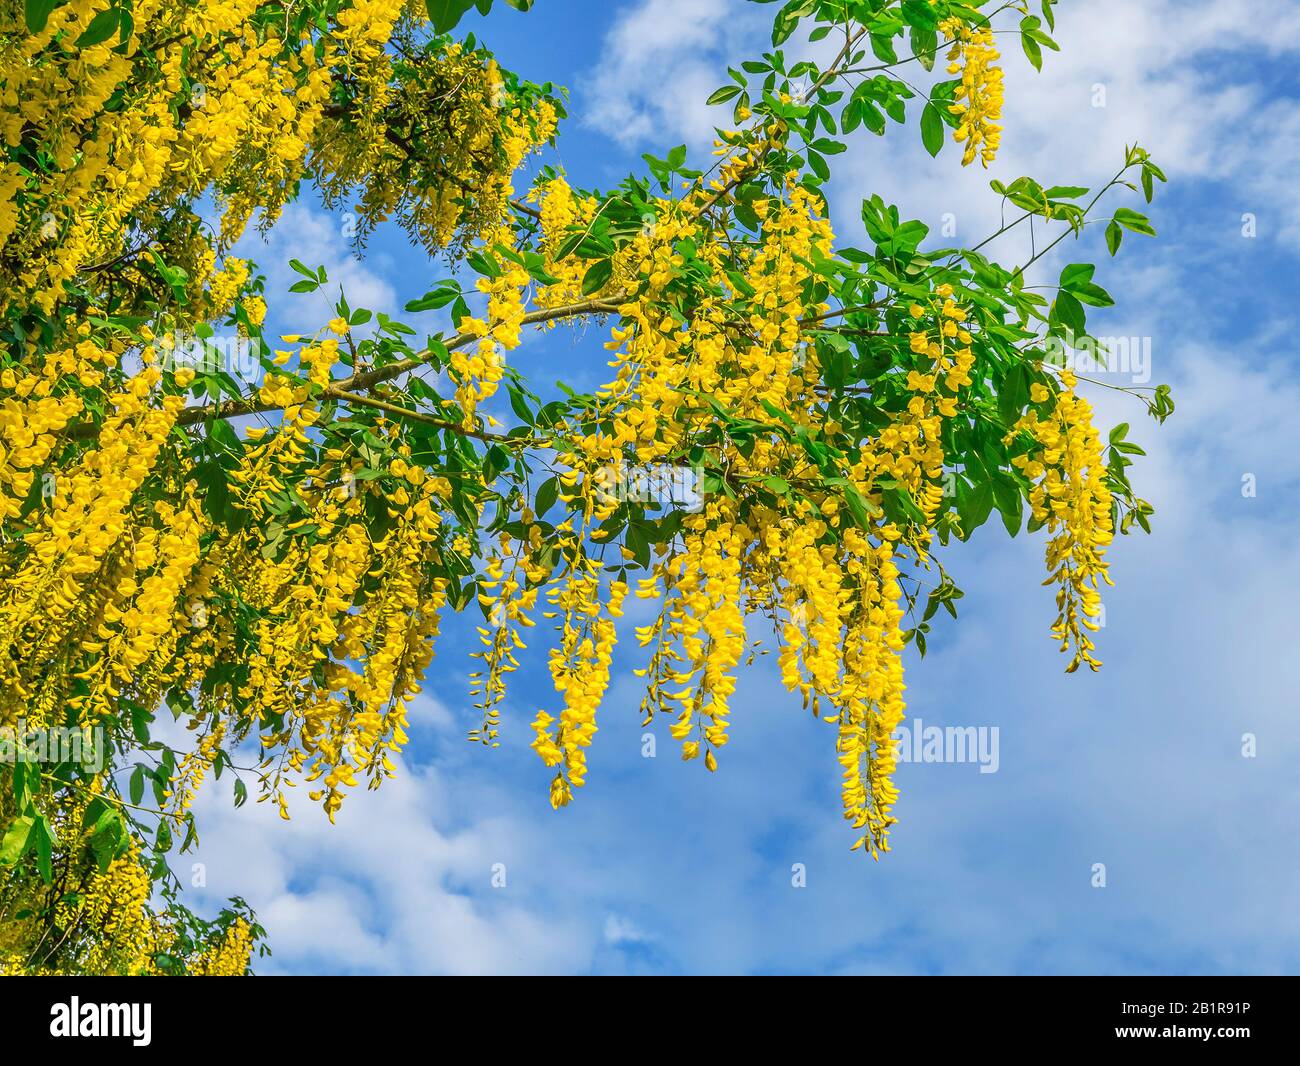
(1134, 220)
(44, 842)
(496, 460)
(140, 719)
(1093, 294)
(598, 274)
(1077, 274)
(484, 263)
(883, 48)
(1069, 312)
(861, 507)
(788, 18)
(724, 94)
(1113, 237)
(1065, 192)
(829, 147)
(871, 116)
(106, 836)
(16, 840)
(1013, 395)
(1032, 51)
(101, 28)
(546, 496)
(1076, 279)
(920, 13)
(520, 406)
(27, 780)
(1006, 494)
(137, 784)
(932, 129)
(974, 504)
(37, 13)
(430, 301)
(444, 14)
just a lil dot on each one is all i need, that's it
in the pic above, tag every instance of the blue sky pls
(659, 867)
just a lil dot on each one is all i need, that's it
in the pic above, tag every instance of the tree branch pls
(346, 388)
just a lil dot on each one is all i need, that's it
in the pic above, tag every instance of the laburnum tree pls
(257, 536)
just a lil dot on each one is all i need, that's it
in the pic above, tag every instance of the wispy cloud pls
(658, 65)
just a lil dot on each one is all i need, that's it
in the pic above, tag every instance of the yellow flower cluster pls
(436, 151)
(229, 956)
(580, 669)
(333, 722)
(979, 96)
(559, 209)
(478, 374)
(58, 593)
(106, 923)
(871, 700)
(1071, 498)
(116, 588)
(224, 286)
(35, 408)
(221, 100)
(831, 587)
(506, 601)
(188, 115)
(139, 625)
(194, 767)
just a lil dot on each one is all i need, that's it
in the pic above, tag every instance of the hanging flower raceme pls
(1070, 496)
(432, 141)
(979, 95)
(479, 370)
(804, 560)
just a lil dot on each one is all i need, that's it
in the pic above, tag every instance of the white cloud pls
(658, 65)
(620, 931)
(315, 237)
(394, 887)
(1181, 78)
